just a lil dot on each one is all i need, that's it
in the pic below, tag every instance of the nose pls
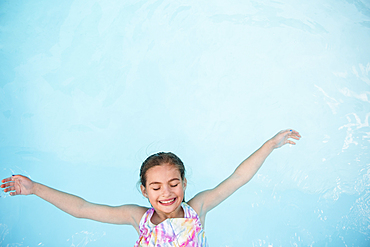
(166, 191)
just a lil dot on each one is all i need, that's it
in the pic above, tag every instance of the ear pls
(185, 183)
(143, 191)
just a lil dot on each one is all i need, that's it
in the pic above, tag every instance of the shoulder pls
(197, 203)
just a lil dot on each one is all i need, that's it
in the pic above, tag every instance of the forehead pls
(162, 173)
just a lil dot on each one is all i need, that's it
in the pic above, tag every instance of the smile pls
(168, 202)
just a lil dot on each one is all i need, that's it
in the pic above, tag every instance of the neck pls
(159, 217)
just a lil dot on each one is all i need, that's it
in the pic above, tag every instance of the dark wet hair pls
(158, 159)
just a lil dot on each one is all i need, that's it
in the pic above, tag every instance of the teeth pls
(167, 201)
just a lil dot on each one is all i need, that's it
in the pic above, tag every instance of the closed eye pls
(155, 188)
(174, 185)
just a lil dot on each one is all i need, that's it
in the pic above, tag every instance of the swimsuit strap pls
(145, 223)
(189, 212)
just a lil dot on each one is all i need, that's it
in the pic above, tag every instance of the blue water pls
(88, 89)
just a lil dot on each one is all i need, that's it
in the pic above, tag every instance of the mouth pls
(168, 202)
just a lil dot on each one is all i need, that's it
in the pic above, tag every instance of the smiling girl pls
(170, 221)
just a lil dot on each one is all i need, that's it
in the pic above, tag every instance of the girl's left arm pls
(207, 200)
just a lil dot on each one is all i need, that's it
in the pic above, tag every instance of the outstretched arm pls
(74, 205)
(207, 200)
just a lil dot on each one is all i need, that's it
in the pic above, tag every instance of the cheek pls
(180, 190)
(151, 199)
(154, 195)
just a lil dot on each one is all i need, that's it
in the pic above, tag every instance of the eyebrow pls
(174, 179)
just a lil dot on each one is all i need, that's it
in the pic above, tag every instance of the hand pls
(18, 185)
(282, 138)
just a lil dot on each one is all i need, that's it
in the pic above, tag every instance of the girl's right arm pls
(74, 205)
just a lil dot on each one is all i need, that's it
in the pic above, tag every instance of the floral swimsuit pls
(172, 232)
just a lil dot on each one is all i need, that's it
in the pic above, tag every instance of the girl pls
(170, 221)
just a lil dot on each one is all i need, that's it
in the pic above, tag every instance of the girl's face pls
(164, 189)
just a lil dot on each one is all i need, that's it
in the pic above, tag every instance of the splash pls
(4, 231)
(363, 74)
(358, 218)
(362, 96)
(352, 126)
(332, 103)
(81, 239)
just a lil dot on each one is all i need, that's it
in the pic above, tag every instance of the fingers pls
(12, 191)
(9, 186)
(6, 185)
(294, 132)
(290, 133)
(5, 180)
(290, 142)
(294, 137)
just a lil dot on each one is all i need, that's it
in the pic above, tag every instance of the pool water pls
(89, 89)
